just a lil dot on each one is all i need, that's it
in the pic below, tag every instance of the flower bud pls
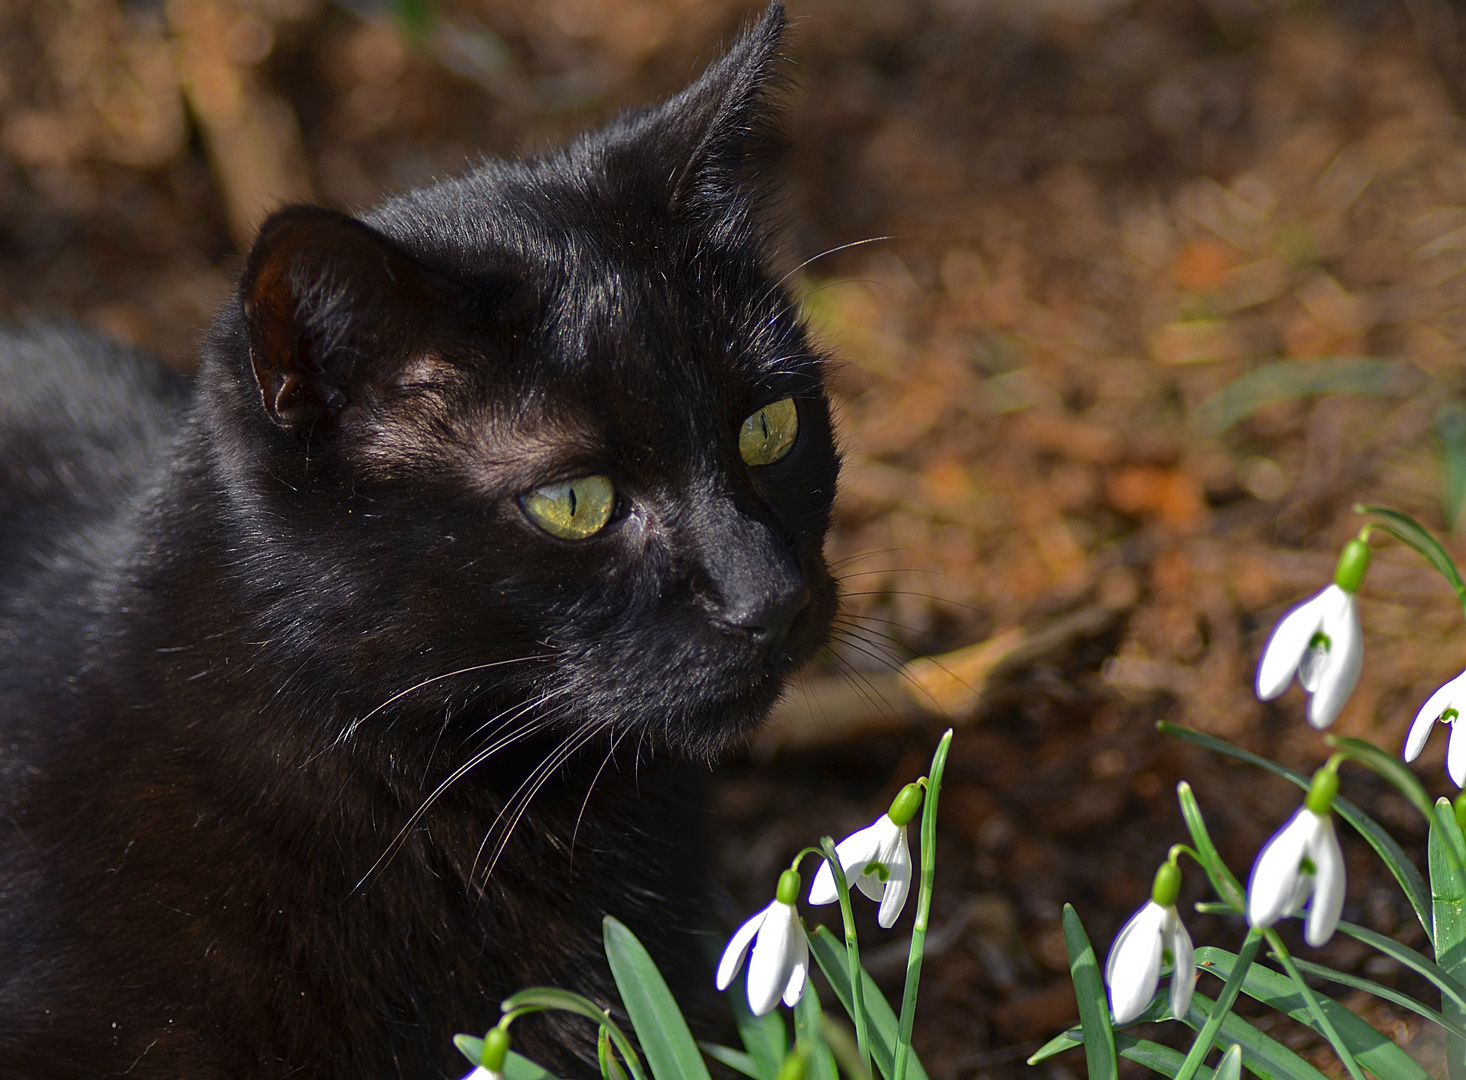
(496, 1046)
(1167, 885)
(1352, 566)
(1322, 791)
(788, 890)
(905, 805)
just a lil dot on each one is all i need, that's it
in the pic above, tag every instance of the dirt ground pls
(1047, 239)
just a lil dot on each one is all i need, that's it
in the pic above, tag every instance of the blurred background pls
(1145, 295)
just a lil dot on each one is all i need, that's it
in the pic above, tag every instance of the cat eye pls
(574, 509)
(768, 434)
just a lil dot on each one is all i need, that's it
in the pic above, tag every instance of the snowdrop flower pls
(1153, 935)
(491, 1064)
(1302, 861)
(1442, 706)
(1320, 640)
(880, 855)
(779, 966)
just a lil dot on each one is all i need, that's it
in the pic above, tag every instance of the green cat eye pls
(768, 434)
(574, 509)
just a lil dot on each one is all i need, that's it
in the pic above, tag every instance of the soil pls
(1130, 303)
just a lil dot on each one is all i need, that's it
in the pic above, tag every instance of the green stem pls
(1325, 1024)
(852, 952)
(1208, 1033)
(1448, 917)
(923, 906)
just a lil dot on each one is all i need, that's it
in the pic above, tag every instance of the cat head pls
(553, 424)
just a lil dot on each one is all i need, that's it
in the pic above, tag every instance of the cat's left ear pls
(722, 134)
(332, 310)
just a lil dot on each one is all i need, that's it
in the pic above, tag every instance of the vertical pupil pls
(763, 419)
(572, 502)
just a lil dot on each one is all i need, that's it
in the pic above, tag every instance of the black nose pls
(767, 618)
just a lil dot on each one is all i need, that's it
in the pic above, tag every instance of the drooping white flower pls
(1153, 935)
(482, 1073)
(779, 966)
(1444, 705)
(1301, 864)
(1319, 640)
(876, 860)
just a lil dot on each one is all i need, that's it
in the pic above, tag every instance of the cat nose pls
(768, 618)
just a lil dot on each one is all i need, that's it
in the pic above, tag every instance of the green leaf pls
(1391, 853)
(1266, 1057)
(1446, 852)
(1154, 1056)
(1223, 1006)
(1373, 1051)
(1283, 380)
(829, 953)
(1388, 767)
(1450, 427)
(1384, 993)
(1094, 1007)
(471, 1047)
(1411, 959)
(1407, 530)
(541, 998)
(519, 1067)
(1222, 879)
(1230, 1067)
(841, 1041)
(764, 1037)
(671, 1053)
(736, 1060)
(1066, 1040)
(809, 1031)
(610, 1068)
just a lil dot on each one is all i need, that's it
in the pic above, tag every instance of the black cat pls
(345, 690)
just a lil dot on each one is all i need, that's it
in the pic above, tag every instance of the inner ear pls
(331, 307)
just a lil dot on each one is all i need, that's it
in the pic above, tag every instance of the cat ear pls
(330, 305)
(723, 130)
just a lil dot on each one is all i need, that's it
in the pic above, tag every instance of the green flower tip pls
(496, 1046)
(1460, 807)
(1322, 791)
(1167, 885)
(905, 805)
(788, 890)
(1353, 565)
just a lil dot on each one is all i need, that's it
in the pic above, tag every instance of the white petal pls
(768, 966)
(1134, 966)
(1340, 673)
(1286, 647)
(799, 975)
(854, 852)
(1328, 883)
(1429, 713)
(898, 886)
(482, 1073)
(1456, 754)
(1272, 890)
(737, 948)
(1183, 979)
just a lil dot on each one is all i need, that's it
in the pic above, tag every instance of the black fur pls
(282, 665)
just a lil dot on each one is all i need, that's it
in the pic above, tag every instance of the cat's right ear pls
(330, 306)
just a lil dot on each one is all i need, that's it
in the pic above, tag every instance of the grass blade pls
(1282, 380)
(1094, 1007)
(1384, 993)
(1388, 767)
(736, 1060)
(1371, 1050)
(829, 953)
(1448, 905)
(1242, 964)
(671, 1053)
(809, 1032)
(1266, 1057)
(1222, 878)
(1230, 1067)
(764, 1037)
(1447, 984)
(1410, 532)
